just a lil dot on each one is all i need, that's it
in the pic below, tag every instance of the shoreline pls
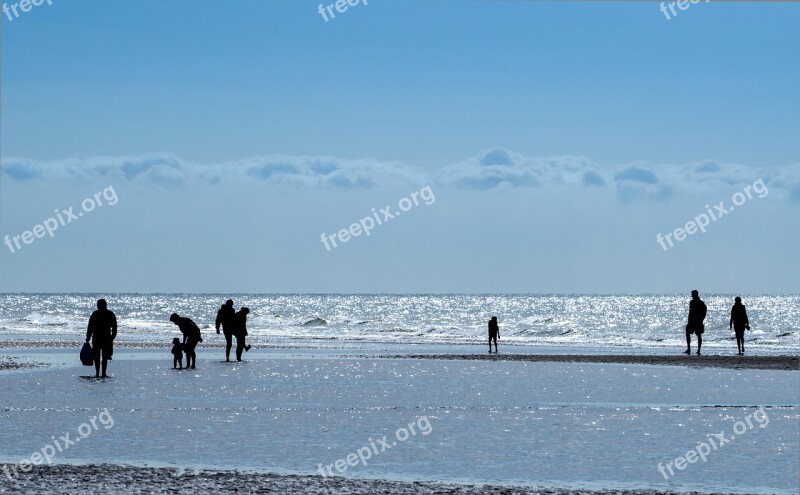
(777, 362)
(115, 478)
(782, 363)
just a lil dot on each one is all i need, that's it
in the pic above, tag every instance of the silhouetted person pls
(177, 352)
(191, 337)
(225, 319)
(494, 333)
(739, 323)
(240, 331)
(102, 331)
(697, 313)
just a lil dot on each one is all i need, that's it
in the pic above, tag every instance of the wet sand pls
(784, 363)
(8, 363)
(123, 479)
(730, 361)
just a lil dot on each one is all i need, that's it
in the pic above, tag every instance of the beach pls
(453, 421)
(357, 394)
(7, 363)
(119, 479)
(788, 363)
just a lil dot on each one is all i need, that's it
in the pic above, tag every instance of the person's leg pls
(228, 345)
(688, 343)
(494, 337)
(239, 347)
(490, 342)
(699, 342)
(96, 357)
(105, 361)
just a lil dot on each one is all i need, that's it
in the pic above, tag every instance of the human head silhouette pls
(174, 317)
(229, 302)
(246, 310)
(101, 304)
(176, 340)
(695, 293)
(738, 299)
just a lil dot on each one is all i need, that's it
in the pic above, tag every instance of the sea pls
(587, 322)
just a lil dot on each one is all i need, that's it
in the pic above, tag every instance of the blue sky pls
(559, 139)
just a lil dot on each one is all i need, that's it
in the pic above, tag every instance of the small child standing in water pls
(177, 352)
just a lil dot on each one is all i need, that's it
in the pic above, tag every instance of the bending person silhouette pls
(191, 337)
(102, 331)
(494, 333)
(225, 319)
(739, 323)
(240, 331)
(697, 313)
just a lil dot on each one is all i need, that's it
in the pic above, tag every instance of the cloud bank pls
(493, 169)
(498, 168)
(168, 169)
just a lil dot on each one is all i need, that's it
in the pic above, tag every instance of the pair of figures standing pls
(697, 313)
(234, 324)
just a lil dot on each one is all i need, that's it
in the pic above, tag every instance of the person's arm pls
(89, 330)
(731, 323)
(113, 327)
(746, 320)
(217, 323)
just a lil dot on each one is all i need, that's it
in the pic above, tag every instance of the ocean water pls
(588, 321)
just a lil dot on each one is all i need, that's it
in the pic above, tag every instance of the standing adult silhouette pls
(739, 323)
(697, 313)
(102, 331)
(494, 333)
(225, 317)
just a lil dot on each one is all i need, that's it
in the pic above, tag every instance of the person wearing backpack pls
(697, 313)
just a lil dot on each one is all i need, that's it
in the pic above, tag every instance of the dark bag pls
(86, 355)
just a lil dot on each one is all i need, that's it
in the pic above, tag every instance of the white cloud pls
(495, 168)
(168, 169)
(633, 181)
(498, 167)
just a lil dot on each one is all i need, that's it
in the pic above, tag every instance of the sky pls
(536, 147)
